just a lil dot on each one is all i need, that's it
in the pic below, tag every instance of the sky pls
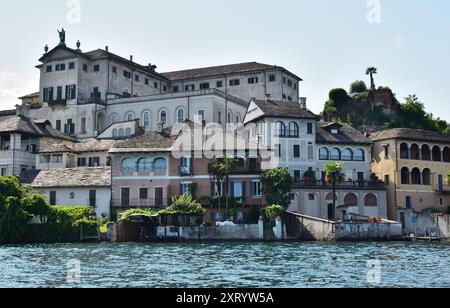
(328, 43)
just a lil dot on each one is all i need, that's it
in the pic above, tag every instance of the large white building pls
(84, 93)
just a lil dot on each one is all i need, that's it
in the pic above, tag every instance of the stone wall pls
(359, 231)
(236, 232)
(420, 223)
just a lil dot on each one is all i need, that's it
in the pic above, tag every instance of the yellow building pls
(414, 164)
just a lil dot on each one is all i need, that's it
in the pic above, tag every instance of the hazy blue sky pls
(328, 43)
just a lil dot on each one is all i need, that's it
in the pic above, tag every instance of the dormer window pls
(334, 131)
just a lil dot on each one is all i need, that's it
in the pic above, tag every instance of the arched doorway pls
(331, 212)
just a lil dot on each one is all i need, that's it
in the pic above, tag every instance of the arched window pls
(128, 132)
(238, 119)
(360, 155)
(72, 195)
(113, 119)
(280, 129)
(405, 176)
(329, 197)
(335, 154)
(121, 133)
(180, 115)
(129, 116)
(347, 155)
(230, 117)
(351, 200)
(160, 165)
(146, 119)
(370, 200)
(446, 154)
(293, 129)
(128, 165)
(415, 152)
(144, 165)
(163, 117)
(404, 151)
(426, 177)
(114, 132)
(437, 154)
(324, 154)
(416, 178)
(425, 152)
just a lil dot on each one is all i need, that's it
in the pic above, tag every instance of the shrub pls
(184, 205)
(125, 216)
(273, 211)
(277, 185)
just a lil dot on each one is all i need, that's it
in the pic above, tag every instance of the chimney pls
(160, 127)
(131, 58)
(302, 101)
(107, 48)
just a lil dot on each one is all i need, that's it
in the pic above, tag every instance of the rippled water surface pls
(226, 265)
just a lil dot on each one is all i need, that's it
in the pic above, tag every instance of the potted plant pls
(309, 176)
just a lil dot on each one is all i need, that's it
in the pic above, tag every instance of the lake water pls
(226, 265)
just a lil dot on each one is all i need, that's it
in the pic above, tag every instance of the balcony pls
(58, 103)
(245, 167)
(347, 185)
(141, 203)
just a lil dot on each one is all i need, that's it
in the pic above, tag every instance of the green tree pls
(334, 171)
(184, 205)
(372, 71)
(448, 177)
(273, 211)
(221, 170)
(330, 112)
(339, 96)
(277, 185)
(358, 86)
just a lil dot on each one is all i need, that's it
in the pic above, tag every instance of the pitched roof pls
(100, 54)
(279, 109)
(410, 134)
(221, 70)
(93, 145)
(73, 177)
(5, 113)
(24, 125)
(32, 95)
(148, 142)
(347, 134)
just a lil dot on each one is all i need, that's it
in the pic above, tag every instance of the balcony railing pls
(245, 168)
(186, 171)
(57, 102)
(357, 185)
(141, 203)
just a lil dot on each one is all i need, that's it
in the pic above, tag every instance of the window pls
(94, 161)
(81, 162)
(59, 93)
(347, 155)
(238, 191)
(360, 155)
(408, 202)
(334, 131)
(405, 176)
(204, 86)
(284, 96)
(180, 116)
(114, 133)
(293, 129)
(219, 117)
(311, 197)
(97, 68)
(71, 92)
(114, 69)
(290, 98)
(113, 119)
(71, 65)
(335, 154)
(272, 78)
(60, 67)
(238, 119)
(297, 176)
(146, 119)
(163, 117)
(284, 79)
(189, 87)
(128, 165)
(48, 95)
(176, 89)
(143, 193)
(136, 78)
(165, 88)
(128, 132)
(280, 129)
(83, 126)
(324, 154)
(125, 196)
(127, 74)
(186, 166)
(96, 93)
(146, 81)
(219, 84)
(52, 197)
(256, 189)
(296, 151)
(253, 80)
(129, 117)
(144, 165)
(156, 85)
(289, 83)
(351, 200)
(310, 151)
(160, 165)
(201, 115)
(72, 195)
(235, 82)
(185, 188)
(278, 146)
(229, 117)
(49, 68)
(85, 67)
(58, 125)
(386, 151)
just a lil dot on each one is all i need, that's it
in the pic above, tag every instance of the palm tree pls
(372, 71)
(221, 170)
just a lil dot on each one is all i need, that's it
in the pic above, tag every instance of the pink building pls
(147, 172)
